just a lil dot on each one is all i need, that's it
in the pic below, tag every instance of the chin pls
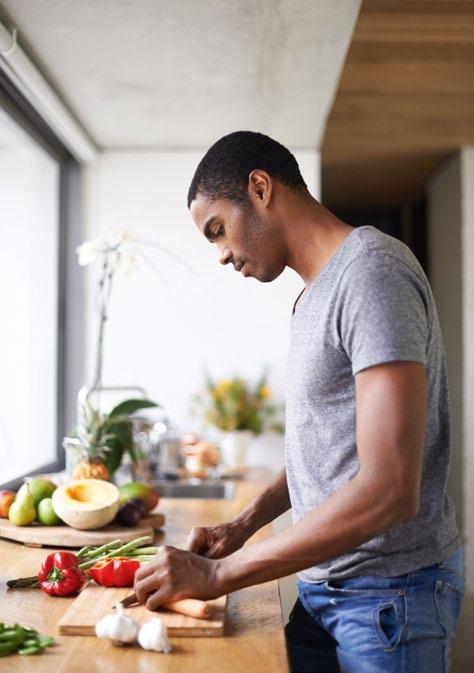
(268, 275)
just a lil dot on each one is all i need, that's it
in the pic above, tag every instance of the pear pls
(39, 489)
(22, 511)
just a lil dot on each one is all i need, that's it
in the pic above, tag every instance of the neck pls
(313, 236)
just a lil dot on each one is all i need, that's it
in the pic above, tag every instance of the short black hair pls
(224, 170)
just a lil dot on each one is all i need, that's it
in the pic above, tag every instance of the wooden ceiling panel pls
(405, 101)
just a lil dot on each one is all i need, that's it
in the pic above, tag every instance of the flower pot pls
(234, 447)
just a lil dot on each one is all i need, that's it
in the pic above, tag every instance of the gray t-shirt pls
(370, 304)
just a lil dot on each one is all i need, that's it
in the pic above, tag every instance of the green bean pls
(99, 551)
(133, 544)
(8, 634)
(144, 551)
(83, 552)
(23, 640)
(23, 582)
(30, 641)
(8, 648)
(45, 641)
(33, 649)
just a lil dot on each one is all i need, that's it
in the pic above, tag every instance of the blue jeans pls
(373, 624)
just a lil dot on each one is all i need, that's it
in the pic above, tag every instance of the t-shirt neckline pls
(304, 293)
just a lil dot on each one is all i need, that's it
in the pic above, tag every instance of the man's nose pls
(225, 256)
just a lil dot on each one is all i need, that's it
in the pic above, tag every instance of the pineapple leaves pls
(108, 436)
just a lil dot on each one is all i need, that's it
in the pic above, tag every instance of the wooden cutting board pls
(95, 602)
(37, 535)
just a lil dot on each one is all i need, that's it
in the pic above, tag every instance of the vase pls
(234, 446)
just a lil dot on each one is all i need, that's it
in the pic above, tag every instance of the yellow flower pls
(264, 392)
(221, 388)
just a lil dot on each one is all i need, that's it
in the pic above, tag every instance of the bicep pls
(391, 401)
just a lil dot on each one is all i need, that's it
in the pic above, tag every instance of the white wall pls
(163, 337)
(451, 265)
(445, 269)
(467, 190)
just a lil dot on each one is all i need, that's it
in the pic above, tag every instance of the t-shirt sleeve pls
(382, 312)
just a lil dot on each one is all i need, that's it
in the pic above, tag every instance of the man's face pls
(243, 236)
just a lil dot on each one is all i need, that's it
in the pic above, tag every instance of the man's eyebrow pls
(207, 226)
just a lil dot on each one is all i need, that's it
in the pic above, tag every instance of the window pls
(34, 246)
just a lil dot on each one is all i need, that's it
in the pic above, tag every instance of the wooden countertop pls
(253, 641)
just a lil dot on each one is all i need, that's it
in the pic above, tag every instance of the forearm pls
(350, 517)
(268, 505)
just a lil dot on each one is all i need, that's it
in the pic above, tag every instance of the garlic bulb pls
(153, 636)
(118, 627)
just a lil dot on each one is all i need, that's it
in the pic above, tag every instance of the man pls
(374, 540)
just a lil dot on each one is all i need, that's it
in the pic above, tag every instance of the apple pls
(6, 499)
(46, 513)
(144, 492)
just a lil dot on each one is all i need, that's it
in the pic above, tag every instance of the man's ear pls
(260, 187)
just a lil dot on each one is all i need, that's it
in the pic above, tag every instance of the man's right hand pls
(218, 541)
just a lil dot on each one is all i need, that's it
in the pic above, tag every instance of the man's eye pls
(219, 232)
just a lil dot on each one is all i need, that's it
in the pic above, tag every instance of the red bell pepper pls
(60, 574)
(115, 572)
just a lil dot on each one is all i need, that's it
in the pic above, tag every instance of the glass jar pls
(79, 463)
(73, 454)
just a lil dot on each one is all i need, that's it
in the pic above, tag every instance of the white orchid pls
(88, 251)
(119, 253)
(126, 263)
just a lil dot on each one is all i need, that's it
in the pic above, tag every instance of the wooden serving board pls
(37, 535)
(95, 602)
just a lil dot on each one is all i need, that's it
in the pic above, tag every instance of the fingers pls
(197, 540)
(217, 550)
(158, 598)
(145, 570)
(146, 585)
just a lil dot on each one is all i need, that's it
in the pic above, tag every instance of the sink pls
(194, 488)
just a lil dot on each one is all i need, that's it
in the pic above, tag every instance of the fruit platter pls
(81, 512)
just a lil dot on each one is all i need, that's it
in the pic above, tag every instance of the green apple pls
(137, 489)
(22, 511)
(39, 489)
(46, 513)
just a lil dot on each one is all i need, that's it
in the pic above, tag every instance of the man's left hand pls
(175, 574)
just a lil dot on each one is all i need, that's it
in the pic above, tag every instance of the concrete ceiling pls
(155, 73)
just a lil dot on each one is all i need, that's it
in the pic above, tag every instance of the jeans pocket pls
(448, 600)
(369, 588)
(389, 621)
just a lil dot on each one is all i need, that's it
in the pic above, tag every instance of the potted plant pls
(102, 439)
(239, 411)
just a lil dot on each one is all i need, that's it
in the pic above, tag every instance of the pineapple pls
(105, 438)
(92, 434)
(90, 469)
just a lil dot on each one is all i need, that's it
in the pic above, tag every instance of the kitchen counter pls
(253, 640)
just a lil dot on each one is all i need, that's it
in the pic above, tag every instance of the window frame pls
(69, 307)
